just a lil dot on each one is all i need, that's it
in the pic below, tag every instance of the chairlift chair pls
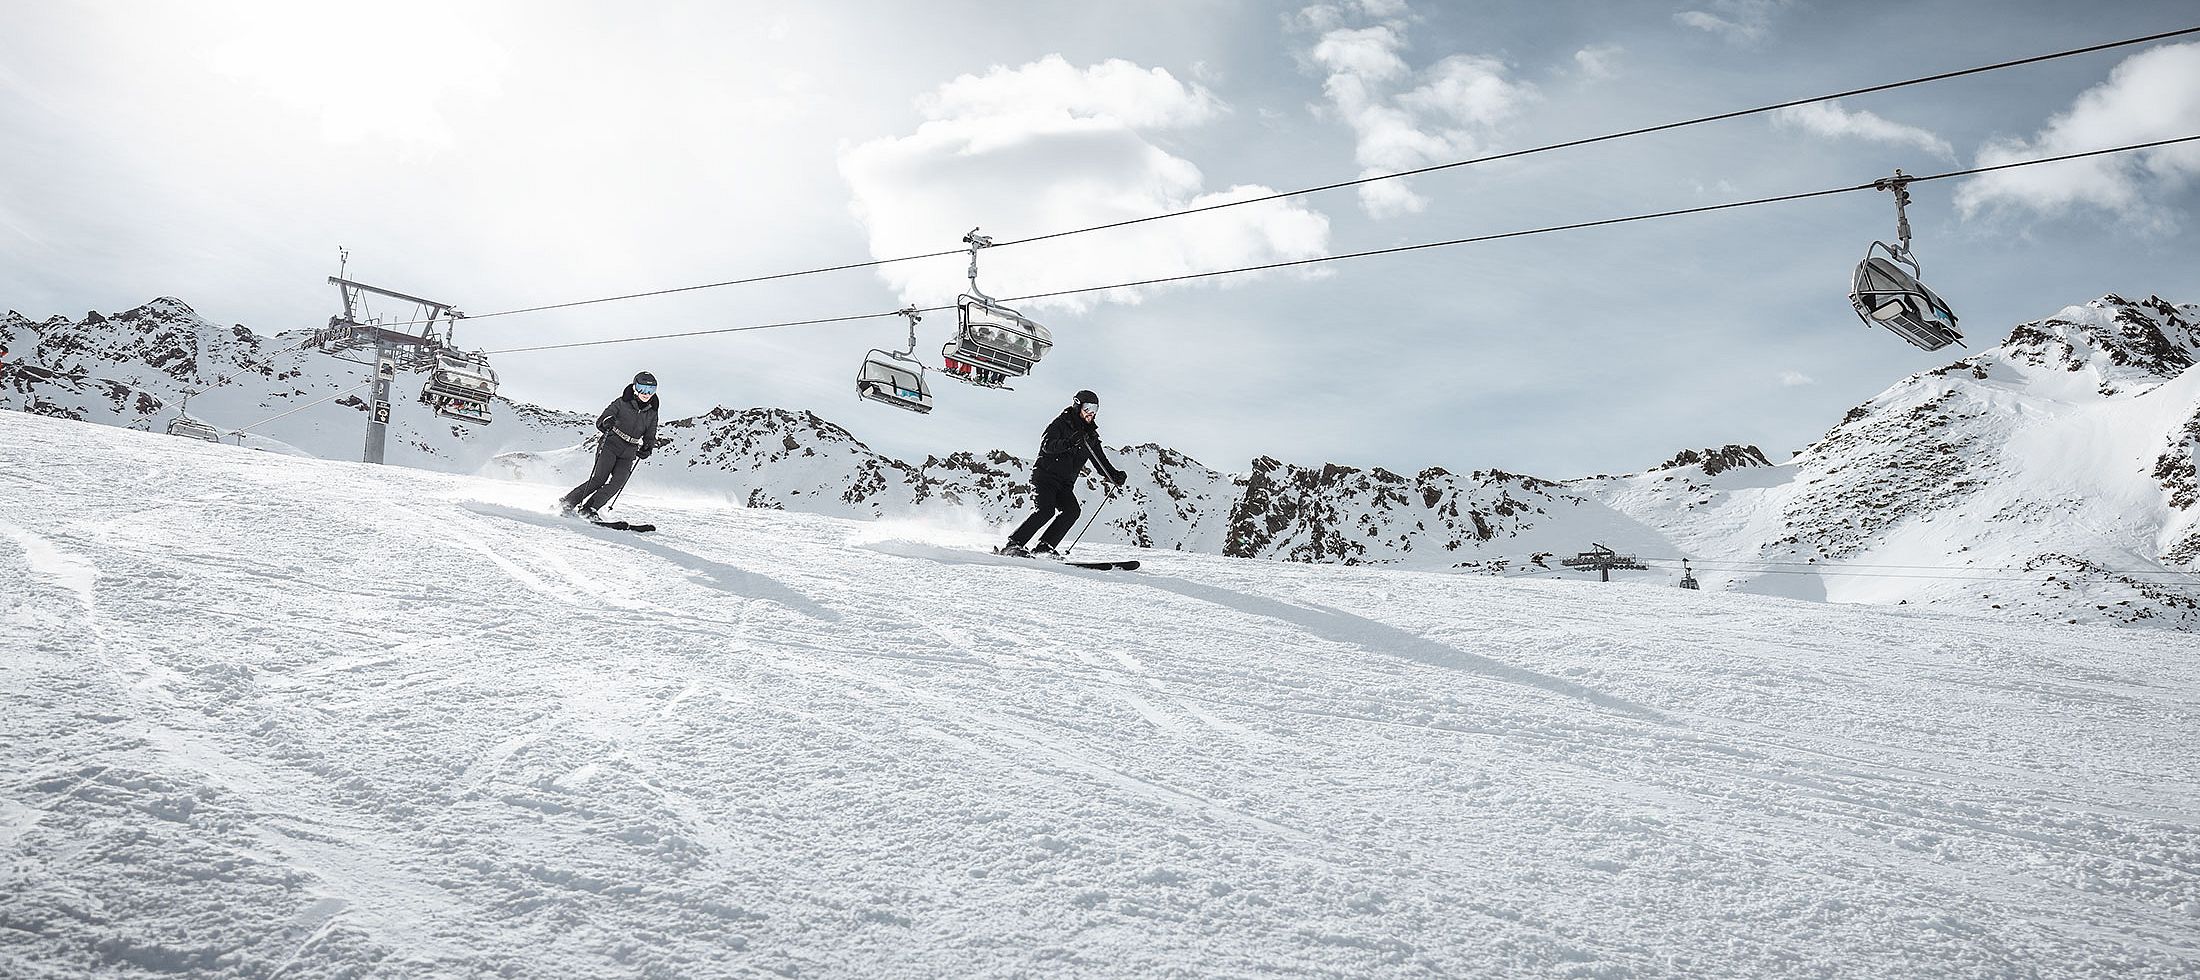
(896, 377)
(993, 342)
(993, 339)
(460, 386)
(191, 428)
(1887, 295)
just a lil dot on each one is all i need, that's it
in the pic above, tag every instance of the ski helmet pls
(645, 378)
(1086, 397)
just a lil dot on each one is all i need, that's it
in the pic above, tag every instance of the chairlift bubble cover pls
(1886, 295)
(996, 337)
(460, 386)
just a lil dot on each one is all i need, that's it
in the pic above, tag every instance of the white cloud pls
(1389, 198)
(1381, 8)
(1363, 55)
(1830, 119)
(2149, 96)
(1114, 91)
(1402, 119)
(1048, 146)
(1796, 379)
(1737, 21)
(372, 78)
(1599, 61)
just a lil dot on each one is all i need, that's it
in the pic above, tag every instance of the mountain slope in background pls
(313, 718)
(2051, 476)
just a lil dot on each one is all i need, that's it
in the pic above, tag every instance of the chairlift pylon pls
(896, 378)
(1885, 294)
(993, 342)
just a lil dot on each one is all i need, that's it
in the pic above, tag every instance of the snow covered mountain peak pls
(2117, 341)
(1716, 461)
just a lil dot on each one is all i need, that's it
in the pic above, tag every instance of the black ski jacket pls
(1068, 443)
(629, 421)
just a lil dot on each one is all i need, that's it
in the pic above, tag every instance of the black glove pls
(1118, 477)
(603, 426)
(644, 454)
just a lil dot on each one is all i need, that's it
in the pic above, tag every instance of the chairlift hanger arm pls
(1900, 185)
(914, 315)
(976, 242)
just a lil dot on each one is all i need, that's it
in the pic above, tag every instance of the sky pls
(506, 155)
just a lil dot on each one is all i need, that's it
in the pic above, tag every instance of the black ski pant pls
(614, 463)
(1055, 500)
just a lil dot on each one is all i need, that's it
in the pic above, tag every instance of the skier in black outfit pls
(629, 428)
(1071, 440)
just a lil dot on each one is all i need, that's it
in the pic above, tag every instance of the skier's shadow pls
(1339, 626)
(702, 571)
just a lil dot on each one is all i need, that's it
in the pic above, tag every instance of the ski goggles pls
(1093, 407)
(645, 389)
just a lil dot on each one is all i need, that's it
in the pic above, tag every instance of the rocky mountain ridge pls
(1963, 472)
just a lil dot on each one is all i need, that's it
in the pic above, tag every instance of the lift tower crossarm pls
(391, 293)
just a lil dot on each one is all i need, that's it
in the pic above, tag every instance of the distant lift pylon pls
(459, 384)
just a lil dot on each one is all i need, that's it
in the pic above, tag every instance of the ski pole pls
(614, 501)
(1088, 523)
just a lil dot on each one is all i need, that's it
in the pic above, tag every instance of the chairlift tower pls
(1603, 560)
(1688, 577)
(396, 347)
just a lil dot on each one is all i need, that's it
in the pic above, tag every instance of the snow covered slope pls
(2048, 478)
(269, 716)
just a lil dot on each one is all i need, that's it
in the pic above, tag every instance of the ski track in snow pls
(320, 731)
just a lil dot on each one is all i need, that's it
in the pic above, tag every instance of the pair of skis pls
(613, 525)
(1109, 566)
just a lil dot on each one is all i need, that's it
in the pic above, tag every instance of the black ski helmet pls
(1086, 397)
(645, 378)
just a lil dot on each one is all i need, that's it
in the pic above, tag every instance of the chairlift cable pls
(300, 408)
(700, 333)
(714, 285)
(1749, 564)
(1585, 141)
(1907, 575)
(1546, 148)
(1728, 206)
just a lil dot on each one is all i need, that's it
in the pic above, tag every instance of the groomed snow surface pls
(267, 716)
